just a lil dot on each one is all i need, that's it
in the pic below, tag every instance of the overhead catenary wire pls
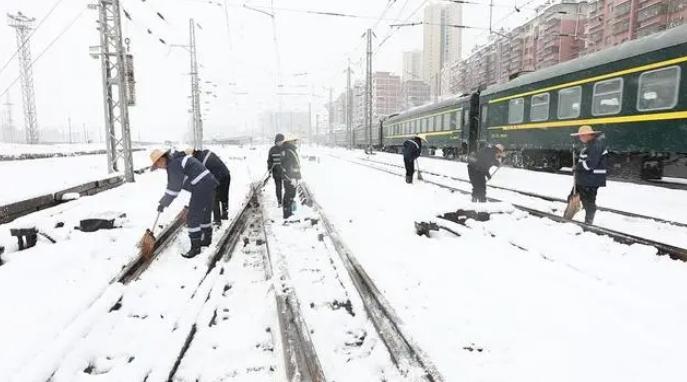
(45, 50)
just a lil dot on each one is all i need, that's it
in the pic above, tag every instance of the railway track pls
(539, 196)
(674, 252)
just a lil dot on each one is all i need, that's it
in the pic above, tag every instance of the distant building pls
(414, 93)
(441, 42)
(412, 66)
(386, 94)
(294, 123)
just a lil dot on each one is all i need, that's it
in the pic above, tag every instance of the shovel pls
(573, 206)
(419, 174)
(147, 243)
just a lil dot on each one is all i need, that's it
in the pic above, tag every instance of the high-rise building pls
(386, 94)
(412, 66)
(612, 22)
(414, 93)
(441, 40)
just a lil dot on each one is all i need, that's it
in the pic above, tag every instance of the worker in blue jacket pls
(274, 166)
(590, 169)
(412, 148)
(219, 170)
(187, 173)
(291, 167)
(479, 165)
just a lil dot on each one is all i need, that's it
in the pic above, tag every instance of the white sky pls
(68, 82)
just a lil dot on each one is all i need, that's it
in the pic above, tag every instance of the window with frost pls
(569, 102)
(539, 109)
(608, 97)
(516, 110)
(658, 89)
(455, 119)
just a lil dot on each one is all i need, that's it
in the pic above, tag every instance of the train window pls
(658, 89)
(447, 122)
(437, 123)
(539, 109)
(608, 97)
(569, 102)
(466, 118)
(430, 124)
(455, 120)
(516, 110)
(485, 110)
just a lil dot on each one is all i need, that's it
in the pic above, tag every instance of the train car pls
(635, 93)
(451, 126)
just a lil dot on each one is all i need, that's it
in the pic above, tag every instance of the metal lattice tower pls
(23, 25)
(195, 90)
(115, 95)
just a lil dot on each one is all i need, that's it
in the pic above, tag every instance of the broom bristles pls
(147, 244)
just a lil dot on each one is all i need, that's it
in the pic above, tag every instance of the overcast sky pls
(242, 61)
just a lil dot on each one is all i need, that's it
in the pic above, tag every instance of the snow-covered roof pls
(451, 100)
(657, 41)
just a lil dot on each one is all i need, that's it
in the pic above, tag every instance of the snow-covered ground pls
(516, 298)
(31, 178)
(18, 149)
(58, 292)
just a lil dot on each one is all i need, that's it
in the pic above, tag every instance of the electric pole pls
(118, 85)
(195, 90)
(23, 26)
(349, 109)
(368, 90)
(8, 128)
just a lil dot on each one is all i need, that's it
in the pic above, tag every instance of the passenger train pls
(635, 93)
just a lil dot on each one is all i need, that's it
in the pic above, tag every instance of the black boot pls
(225, 213)
(194, 251)
(207, 237)
(589, 217)
(409, 179)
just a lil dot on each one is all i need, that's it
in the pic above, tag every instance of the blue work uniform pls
(590, 174)
(187, 173)
(220, 171)
(412, 148)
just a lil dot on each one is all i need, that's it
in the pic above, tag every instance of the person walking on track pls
(187, 173)
(274, 165)
(219, 170)
(291, 166)
(412, 148)
(591, 169)
(479, 164)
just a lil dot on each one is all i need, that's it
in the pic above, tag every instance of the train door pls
(473, 123)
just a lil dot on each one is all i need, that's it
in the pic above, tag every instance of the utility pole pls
(23, 26)
(368, 90)
(117, 79)
(349, 109)
(8, 128)
(195, 90)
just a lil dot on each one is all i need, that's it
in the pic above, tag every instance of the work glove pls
(160, 208)
(488, 176)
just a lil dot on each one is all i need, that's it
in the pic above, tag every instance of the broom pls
(147, 243)
(419, 174)
(573, 206)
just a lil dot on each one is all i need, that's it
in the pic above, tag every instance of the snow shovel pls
(419, 174)
(147, 243)
(573, 206)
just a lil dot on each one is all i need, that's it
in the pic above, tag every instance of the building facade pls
(414, 93)
(412, 66)
(441, 41)
(386, 94)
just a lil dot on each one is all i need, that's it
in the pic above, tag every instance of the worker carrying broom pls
(590, 170)
(291, 166)
(479, 164)
(412, 148)
(186, 172)
(220, 208)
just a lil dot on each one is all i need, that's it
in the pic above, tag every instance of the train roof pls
(430, 106)
(671, 37)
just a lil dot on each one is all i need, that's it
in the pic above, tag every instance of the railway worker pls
(219, 170)
(291, 166)
(479, 164)
(590, 171)
(412, 148)
(187, 173)
(274, 165)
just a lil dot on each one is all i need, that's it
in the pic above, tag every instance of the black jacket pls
(592, 163)
(483, 159)
(212, 162)
(290, 162)
(274, 159)
(411, 150)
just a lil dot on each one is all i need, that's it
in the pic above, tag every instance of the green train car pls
(635, 93)
(451, 126)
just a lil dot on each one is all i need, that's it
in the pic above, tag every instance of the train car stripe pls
(436, 133)
(596, 78)
(596, 121)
